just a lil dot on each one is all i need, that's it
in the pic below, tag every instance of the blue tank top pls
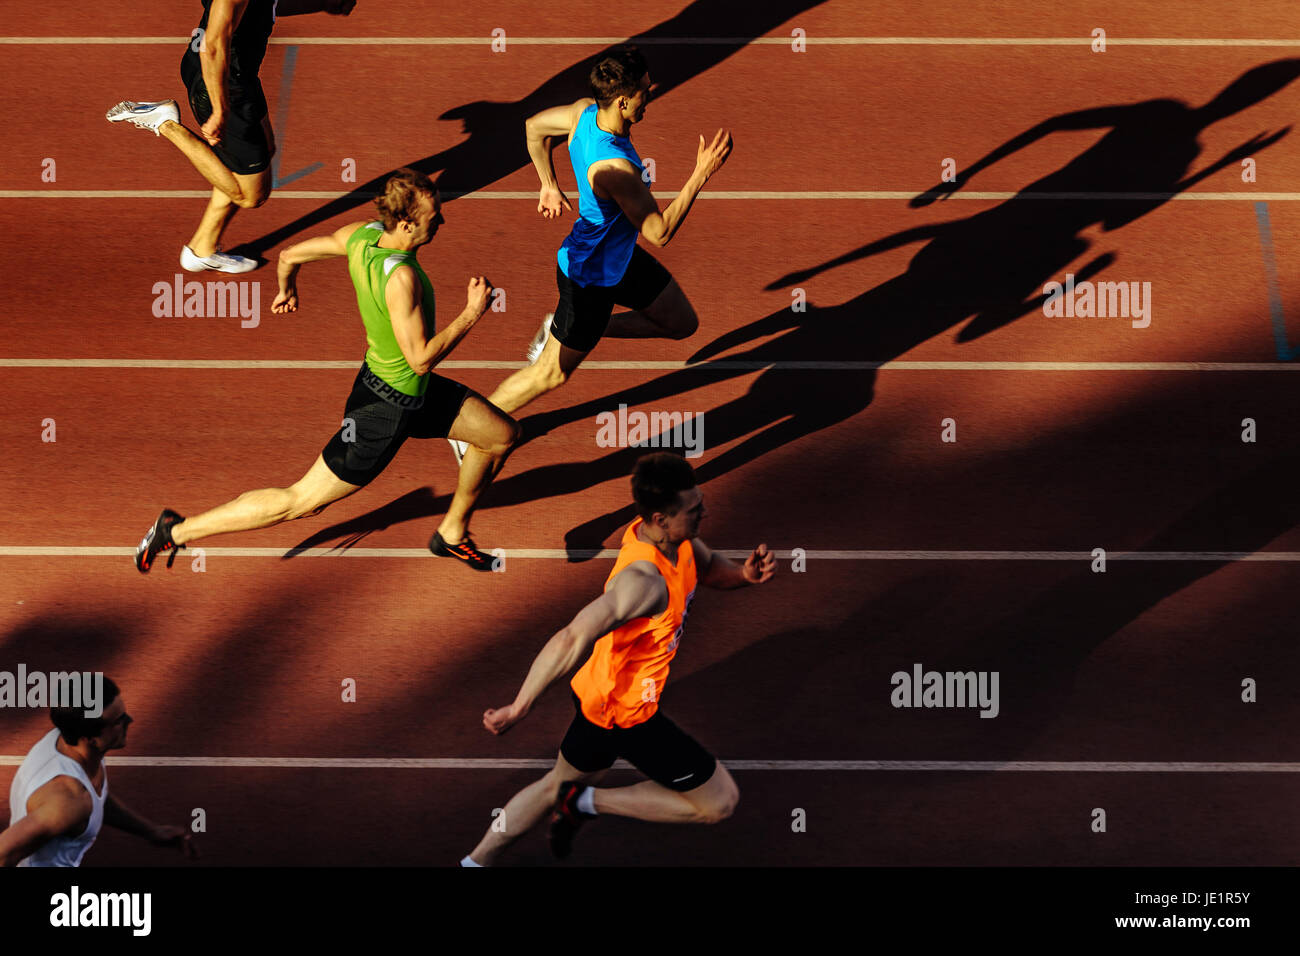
(598, 249)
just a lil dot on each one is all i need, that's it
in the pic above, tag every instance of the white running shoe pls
(458, 448)
(145, 115)
(538, 344)
(218, 262)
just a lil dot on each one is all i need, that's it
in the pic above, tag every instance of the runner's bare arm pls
(719, 571)
(544, 131)
(214, 57)
(639, 590)
(60, 806)
(119, 815)
(309, 250)
(1078, 120)
(404, 297)
(620, 180)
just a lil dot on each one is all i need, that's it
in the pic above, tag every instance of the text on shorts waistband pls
(387, 392)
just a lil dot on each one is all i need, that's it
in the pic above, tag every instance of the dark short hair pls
(73, 723)
(400, 200)
(657, 481)
(617, 74)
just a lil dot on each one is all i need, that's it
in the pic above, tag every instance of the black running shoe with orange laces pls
(157, 541)
(464, 551)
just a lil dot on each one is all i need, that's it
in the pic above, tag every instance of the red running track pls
(1140, 664)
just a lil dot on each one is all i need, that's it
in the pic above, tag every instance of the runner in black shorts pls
(235, 143)
(380, 422)
(396, 396)
(583, 313)
(632, 632)
(658, 748)
(600, 265)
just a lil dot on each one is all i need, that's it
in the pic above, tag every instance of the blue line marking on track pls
(281, 118)
(1284, 351)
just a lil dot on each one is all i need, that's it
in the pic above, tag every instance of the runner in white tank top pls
(43, 764)
(59, 798)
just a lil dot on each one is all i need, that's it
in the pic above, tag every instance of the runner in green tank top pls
(396, 394)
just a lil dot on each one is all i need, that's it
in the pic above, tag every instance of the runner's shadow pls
(986, 271)
(495, 147)
(1038, 645)
(989, 268)
(409, 507)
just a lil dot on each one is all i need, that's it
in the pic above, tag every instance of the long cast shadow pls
(495, 145)
(989, 268)
(1038, 647)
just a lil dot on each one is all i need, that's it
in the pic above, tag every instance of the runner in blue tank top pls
(600, 264)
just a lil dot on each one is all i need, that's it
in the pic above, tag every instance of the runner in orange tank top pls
(635, 627)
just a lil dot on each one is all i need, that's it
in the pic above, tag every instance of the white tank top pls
(42, 764)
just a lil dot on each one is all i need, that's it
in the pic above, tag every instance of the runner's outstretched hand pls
(478, 295)
(759, 566)
(709, 158)
(501, 719)
(175, 836)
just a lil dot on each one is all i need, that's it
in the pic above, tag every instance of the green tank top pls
(370, 268)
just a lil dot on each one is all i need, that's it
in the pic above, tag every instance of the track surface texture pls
(886, 403)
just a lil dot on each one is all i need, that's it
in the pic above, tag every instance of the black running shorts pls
(374, 427)
(243, 148)
(658, 748)
(583, 312)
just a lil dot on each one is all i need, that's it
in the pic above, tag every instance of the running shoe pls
(217, 262)
(538, 344)
(458, 448)
(464, 551)
(566, 818)
(157, 541)
(145, 115)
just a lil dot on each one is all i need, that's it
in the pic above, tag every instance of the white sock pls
(587, 801)
(468, 862)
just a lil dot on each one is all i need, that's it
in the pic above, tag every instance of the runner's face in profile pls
(637, 103)
(427, 220)
(115, 720)
(685, 523)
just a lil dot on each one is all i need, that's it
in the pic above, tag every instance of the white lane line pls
(718, 365)
(39, 551)
(781, 41)
(751, 194)
(530, 763)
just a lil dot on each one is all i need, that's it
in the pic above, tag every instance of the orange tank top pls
(621, 682)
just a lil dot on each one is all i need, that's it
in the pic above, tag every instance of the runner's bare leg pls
(491, 436)
(268, 506)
